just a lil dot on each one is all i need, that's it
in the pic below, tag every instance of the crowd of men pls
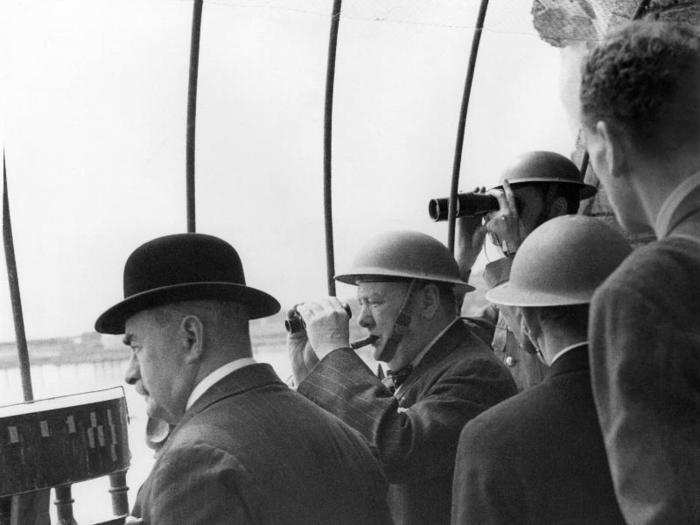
(574, 398)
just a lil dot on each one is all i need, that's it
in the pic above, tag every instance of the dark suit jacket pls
(252, 451)
(645, 364)
(416, 432)
(537, 457)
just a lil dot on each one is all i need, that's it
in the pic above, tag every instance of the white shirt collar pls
(216, 376)
(567, 350)
(669, 215)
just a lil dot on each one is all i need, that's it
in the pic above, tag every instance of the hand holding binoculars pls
(294, 323)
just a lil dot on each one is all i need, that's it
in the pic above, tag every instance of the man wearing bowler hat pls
(244, 448)
(539, 457)
(536, 187)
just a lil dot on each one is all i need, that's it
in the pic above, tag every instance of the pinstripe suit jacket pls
(416, 432)
(252, 451)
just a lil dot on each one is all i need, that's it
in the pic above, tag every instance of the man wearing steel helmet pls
(244, 448)
(640, 108)
(536, 187)
(539, 457)
(441, 374)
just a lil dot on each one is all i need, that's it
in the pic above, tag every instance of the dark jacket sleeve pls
(646, 377)
(193, 485)
(486, 487)
(419, 440)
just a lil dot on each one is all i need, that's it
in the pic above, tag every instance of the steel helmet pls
(562, 262)
(545, 167)
(404, 255)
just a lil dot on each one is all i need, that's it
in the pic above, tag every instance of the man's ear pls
(192, 338)
(530, 326)
(429, 301)
(613, 149)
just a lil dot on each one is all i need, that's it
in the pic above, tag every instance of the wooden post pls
(5, 510)
(119, 492)
(64, 505)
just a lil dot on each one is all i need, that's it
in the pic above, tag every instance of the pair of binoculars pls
(468, 205)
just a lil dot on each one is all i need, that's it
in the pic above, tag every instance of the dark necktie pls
(393, 380)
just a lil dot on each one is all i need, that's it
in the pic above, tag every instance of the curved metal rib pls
(192, 111)
(15, 297)
(327, 147)
(476, 39)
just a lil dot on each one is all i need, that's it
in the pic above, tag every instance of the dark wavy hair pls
(645, 79)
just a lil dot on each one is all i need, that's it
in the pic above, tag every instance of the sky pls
(92, 118)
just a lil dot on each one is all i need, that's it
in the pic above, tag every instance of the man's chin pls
(154, 410)
(377, 350)
(384, 354)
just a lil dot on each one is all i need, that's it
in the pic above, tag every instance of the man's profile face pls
(380, 303)
(617, 187)
(155, 367)
(531, 207)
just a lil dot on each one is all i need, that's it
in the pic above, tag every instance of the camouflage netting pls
(574, 23)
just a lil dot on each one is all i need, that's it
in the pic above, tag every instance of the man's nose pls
(366, 320)
(132, 373)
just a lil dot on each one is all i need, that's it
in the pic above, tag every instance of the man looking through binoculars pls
(536, 187)
(440, 373)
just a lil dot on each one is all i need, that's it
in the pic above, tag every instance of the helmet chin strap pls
(401, 325)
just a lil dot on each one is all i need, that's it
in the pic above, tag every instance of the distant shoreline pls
(92, 347)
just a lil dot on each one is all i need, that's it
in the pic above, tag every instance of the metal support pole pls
(452, 208)
(64, 505)
(119, 491)
(15, 297)
(192, 111)
(327, 147)
(584, 165)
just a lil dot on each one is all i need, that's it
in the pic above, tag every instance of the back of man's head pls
(644, 80)
(225, 332)
(554, 327)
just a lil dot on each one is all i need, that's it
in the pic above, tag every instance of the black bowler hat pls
(181, 267)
